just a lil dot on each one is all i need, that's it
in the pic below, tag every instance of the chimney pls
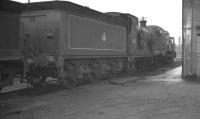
(143, 22)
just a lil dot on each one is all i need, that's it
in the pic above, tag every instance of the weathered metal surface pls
(196, 38)
(80, 71)
(131, 30)
(151, 40)
(158, 36)
(9, 35)
(137, 36)
(41, 31)
(187, 37)
(191, 44)
(143, 38)
(11, 57)
(89, 34)
(92, 36)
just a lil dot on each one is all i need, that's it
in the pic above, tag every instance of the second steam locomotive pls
(76, 44)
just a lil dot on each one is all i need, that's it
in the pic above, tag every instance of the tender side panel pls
(88, 36)
(9, 35)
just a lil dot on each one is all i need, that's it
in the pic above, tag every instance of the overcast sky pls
(164, 13)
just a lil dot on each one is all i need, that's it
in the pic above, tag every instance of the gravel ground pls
(157, 96)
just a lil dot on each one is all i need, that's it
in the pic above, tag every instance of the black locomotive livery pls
(11, 59)
(76, 44)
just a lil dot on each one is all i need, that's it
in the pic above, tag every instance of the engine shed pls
(191, 38)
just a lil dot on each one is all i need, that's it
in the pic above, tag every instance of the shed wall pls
(196, 37)
(187, 35)
(191, 37)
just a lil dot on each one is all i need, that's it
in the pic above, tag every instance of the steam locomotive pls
(76, 44)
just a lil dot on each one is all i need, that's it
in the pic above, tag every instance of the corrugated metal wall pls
(186, 29)
(195, 37)
(191, 39)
